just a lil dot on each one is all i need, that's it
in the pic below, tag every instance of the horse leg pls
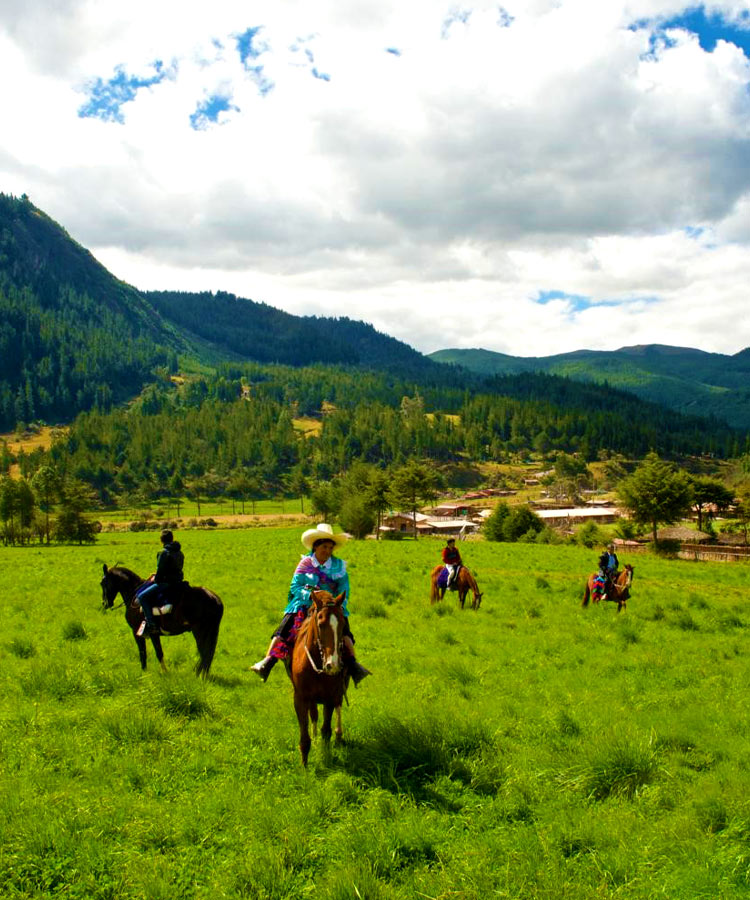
(206, 634)
(314, 718)
(301, 708)
(141, 644)
(461, 597)
(326, 731)
(339, 729)
(156, 641)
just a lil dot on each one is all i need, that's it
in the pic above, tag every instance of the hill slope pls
(262, 333)
(71, 335)
(683, 379)
(74, 337)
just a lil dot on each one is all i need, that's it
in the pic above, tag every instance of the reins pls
(316, 635)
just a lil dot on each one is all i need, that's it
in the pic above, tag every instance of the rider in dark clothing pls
(169, 564)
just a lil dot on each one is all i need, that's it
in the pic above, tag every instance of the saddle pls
(168, 605)
(442, 580)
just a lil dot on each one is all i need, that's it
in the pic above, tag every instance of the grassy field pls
(531, 749)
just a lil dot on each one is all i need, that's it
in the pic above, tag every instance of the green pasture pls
(531, 749)
(162, 510)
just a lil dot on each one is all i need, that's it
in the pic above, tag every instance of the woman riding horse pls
(318, 570)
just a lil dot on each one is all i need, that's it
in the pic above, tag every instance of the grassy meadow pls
(531, 749)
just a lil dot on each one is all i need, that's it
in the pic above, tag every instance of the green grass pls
(163, 510)
(532, 749)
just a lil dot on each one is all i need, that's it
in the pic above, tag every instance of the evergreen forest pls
(166, 392)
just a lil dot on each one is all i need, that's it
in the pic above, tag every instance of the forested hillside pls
(259, 332)
(683, 379)
(75, 339)
(216, 434)
(72, 337)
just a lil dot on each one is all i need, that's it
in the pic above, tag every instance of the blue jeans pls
(149, 598)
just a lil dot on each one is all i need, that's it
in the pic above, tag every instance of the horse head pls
(109, 588)
(328, 629)
(117, 579)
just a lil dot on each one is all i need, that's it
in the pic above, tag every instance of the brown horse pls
(195, 609)
(464, 582)
(618, 591)
(317, 669)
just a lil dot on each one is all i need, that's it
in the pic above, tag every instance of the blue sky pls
(712, 27)
(525, 174)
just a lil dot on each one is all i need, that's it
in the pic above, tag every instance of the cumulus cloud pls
(531, 177)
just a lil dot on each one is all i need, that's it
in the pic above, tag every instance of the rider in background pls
(608, 565)
(169, 564)
(451, 560)
(317, 570)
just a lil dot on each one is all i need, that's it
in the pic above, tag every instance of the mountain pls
(262, 333)
(683, 379)
(73, 337)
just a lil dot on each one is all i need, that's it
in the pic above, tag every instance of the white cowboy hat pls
(323, 532)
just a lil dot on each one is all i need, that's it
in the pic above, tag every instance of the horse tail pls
(586, 595)
(207, 634)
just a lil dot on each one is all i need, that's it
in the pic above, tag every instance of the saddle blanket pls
(156, 611)
(442, 580)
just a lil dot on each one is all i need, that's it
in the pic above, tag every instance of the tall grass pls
(529, 749)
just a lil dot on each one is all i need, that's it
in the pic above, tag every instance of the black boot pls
(263, 668)
(356, 671)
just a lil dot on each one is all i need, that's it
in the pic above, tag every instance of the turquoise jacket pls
(309, 574)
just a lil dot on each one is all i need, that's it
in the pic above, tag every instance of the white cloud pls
(435, 193)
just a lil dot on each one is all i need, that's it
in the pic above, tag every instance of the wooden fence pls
(713, 552)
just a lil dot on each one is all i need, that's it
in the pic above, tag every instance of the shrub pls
(357, 517)
(521, 521)
(589, 535)
(185, 699)
(74, 631)
(22, 648)
(493, 528)
(620, 768)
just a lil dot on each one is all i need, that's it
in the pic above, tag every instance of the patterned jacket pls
(331, 576)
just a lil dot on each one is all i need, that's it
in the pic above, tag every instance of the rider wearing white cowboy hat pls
(317, 570)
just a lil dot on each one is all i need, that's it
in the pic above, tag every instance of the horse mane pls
(123, 570)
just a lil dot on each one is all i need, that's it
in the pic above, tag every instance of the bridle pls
(314, 633)
(628, 581)
(107, 581)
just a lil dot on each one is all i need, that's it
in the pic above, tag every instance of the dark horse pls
(317, 669)
(618, 591)
(195, 609)
(464, 582)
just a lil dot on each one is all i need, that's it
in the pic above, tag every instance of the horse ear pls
(104, 567)
(340, 599)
